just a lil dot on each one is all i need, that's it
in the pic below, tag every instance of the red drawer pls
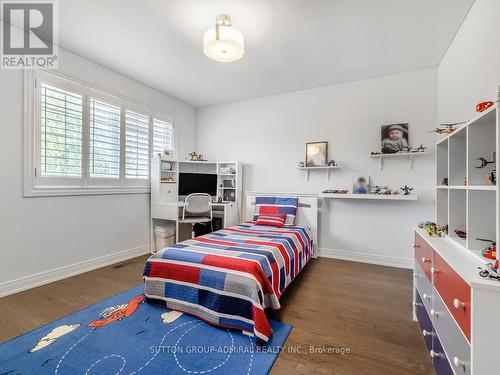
(424, 254)
(454, 292)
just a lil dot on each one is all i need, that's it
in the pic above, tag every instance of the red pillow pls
(274, 220)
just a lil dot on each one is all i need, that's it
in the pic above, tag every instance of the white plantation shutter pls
(60, 132)
(104, 149)
(83, 140)
(136, 145)
(162, 136)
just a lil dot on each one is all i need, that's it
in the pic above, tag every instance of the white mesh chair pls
(197, 209)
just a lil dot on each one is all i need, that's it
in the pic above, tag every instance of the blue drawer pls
(424, 320)
(439, 359)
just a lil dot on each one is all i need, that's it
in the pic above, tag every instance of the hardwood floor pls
(332, 304)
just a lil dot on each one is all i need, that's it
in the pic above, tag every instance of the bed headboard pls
(307, 211)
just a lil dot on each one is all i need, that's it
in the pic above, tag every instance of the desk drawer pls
(424, 321)
(455, 293)
(424, 287)
(424, 254)
(456, 346)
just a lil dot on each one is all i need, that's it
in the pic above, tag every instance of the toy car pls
(491, 271)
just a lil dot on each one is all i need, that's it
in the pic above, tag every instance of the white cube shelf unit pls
(469, 203)
(229, 181)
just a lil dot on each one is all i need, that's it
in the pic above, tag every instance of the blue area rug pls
(129, 336)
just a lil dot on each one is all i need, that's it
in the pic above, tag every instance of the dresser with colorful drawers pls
(457, 310)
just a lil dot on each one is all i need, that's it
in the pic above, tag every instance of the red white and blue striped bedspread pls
(229, 277)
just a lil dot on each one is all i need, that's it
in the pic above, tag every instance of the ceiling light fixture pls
(222, 42)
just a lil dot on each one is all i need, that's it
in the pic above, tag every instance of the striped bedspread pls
(229, 277)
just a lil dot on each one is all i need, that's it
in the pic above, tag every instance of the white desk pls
(227, 211)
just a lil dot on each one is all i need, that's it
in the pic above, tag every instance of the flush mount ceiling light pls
(222, 42)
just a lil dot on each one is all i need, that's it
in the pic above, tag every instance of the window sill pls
(51, 191)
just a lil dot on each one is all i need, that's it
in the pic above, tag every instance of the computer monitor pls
(190, 183)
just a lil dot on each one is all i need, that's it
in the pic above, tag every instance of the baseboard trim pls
(382, 260)
(32, 281)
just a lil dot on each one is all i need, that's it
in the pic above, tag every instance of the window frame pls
(164, 118)
(35, 185)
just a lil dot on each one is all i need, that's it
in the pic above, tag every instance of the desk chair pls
(198, 207)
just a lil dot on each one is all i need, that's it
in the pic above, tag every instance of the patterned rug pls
(126, 335)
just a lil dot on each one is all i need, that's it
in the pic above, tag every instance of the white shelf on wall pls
(408, 155)
(393, 197)
(325, 168)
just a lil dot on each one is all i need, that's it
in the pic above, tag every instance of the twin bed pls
(229, 277)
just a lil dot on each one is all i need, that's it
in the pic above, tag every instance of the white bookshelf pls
(229, 181)
(469, 202)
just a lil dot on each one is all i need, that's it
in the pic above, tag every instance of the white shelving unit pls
(408, 155)
(325, 168)
(469, 203)
(229, 181)
(395, 197)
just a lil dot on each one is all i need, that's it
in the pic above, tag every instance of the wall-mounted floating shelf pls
(408, 155)
(326, 168)
(394, 197)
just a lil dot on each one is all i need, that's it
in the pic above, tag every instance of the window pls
(60, 132)
(162, 136)
(81, 140)
(104, 152)
(136, 145)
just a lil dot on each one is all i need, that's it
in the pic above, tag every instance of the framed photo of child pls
(316, 154)
(394, 138)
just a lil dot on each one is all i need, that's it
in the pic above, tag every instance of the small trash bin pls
(164, 236)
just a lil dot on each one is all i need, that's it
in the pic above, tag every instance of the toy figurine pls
(196, 157)
(445, 181)
(447, 128)
(490, 271)
(300, 164)
(432, 228)
(421, 148)
(483, 162)
(490, 251)
(491, 177)
(332, 163)
(406, 190)
(481, 107)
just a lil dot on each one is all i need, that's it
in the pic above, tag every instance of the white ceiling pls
(290, 44)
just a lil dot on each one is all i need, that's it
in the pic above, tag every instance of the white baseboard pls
(382, 260)
(31, 281)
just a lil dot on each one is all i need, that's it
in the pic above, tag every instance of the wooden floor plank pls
(332, 304)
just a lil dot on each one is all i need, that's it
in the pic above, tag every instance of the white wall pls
(269, 134)
(39, 236)
(470, 71)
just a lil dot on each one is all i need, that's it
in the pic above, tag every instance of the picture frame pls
(361, 184)
(394, 138)
(316, 154)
